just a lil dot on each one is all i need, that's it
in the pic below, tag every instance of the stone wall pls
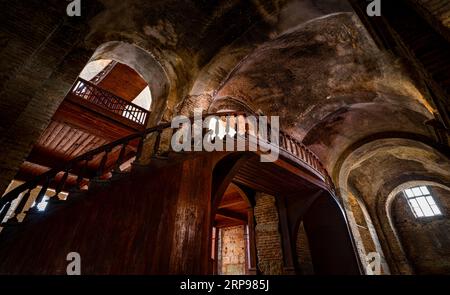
(362, 226)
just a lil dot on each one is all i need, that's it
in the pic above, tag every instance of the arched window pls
(421, 202)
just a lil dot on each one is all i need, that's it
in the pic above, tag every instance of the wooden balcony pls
(88, 117)
(105, 103)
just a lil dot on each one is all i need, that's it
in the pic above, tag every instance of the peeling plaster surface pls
(329, 84)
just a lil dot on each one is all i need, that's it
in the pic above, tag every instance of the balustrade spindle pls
(317, 163)
(4, 211)
(297, 149)
(140, 147)
(120, 158)
(41, 194)
(157, 142)
(313, 161)
(286, 142)
(82, 171)
(61, 184)
(302, 152)
(308, 158)
(21, 205)
(305, 151)
(101, 167)
(291, 145)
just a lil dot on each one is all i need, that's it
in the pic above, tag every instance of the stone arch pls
(368, 240)
(385, 208)
(146, 66)
(424, 162)
(230, 104)
(328, 233)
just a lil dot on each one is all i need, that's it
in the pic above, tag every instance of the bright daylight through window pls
(421, 202)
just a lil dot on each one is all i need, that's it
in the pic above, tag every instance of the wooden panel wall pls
(153, 222)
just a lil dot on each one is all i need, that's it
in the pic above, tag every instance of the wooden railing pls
(116, 151)
(108, 101)
(305, 155)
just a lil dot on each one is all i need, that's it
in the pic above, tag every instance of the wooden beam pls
(89, 117)
(233, 203)
(232, 215)
(227, 223)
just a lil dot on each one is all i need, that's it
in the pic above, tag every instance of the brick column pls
(268, 239)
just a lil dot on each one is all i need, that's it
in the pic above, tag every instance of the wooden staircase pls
(88, 177)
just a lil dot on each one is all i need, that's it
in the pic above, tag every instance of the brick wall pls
(40, 59)
(233, 251)
(268, 239)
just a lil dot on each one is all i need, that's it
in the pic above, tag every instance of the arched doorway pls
(231, 235)
(119, 79)
(232, 241)
(278, 215)
(330, 243)
(146, 66)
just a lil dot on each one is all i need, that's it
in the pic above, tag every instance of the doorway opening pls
(231, 239)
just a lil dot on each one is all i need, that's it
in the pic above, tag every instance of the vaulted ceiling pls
(311, 62)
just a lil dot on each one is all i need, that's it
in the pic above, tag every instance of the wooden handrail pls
(76, 166)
